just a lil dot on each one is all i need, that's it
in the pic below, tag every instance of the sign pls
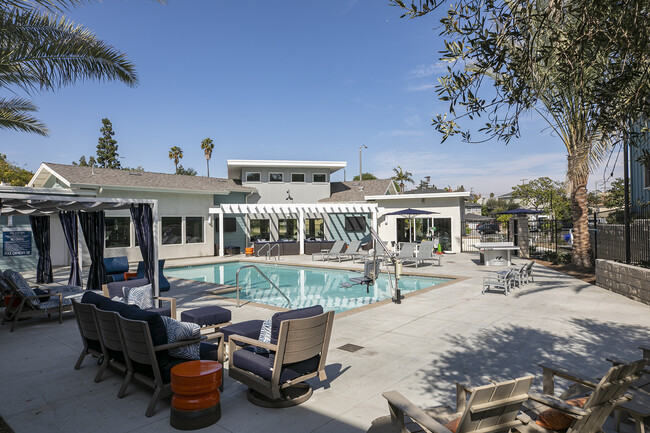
(16, 243)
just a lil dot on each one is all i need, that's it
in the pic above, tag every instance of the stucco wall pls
(446, 207)
(337, 230)
(276, 192)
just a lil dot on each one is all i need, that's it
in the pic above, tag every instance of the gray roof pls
(425, 191)
(356, 191)
(86, 176)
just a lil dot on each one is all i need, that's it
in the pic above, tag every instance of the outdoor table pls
(494, 252)
(196, 402)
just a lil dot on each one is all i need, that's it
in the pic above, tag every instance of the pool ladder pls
(265, 277)
(270, 249)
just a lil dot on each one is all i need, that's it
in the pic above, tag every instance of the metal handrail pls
(268, 254)
(261, 248)
(265, 277)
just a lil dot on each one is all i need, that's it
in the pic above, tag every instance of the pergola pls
(42, 202)
(299, 210)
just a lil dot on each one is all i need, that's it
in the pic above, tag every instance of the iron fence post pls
(595, 236)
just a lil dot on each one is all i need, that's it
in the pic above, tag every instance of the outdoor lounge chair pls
(164, 285)
(585, 415)
(407, 253)
(89, 334)
(353, 249)
(335, 249)
(425, 253)
(151, 363)
(297, 352)
(381, 253)
(25, 302)
(489, 409)
(503, 282)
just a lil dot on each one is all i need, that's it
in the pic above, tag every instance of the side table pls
(196, 402)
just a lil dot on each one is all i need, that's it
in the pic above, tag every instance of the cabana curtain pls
(69, 224)
(41, 230)
(92, 226)
(143, 222)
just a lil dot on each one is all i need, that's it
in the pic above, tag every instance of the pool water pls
(305, 286)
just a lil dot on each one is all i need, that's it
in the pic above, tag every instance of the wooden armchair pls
(297, 352)
(113, 289)
(604, 396)
(489, 409)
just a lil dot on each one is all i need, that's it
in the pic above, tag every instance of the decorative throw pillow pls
(265, 336)
(140, 296)
(118, 299)
(181, 331)
(553, 419)
(40, 292)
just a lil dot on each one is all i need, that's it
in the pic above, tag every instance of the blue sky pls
(277, 80)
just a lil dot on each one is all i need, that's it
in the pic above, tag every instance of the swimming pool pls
(305, 286)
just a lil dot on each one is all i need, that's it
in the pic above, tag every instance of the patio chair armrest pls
(646, 351)
(462, 391)
(252, 342)
(558, 404)
(549, 371)
(172, 301)
(178, 344)
(400, 406)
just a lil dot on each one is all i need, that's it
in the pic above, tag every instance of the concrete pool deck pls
(420, 348)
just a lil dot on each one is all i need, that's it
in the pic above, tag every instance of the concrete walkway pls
(420, 348)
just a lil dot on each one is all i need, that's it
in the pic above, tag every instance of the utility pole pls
(360, 169)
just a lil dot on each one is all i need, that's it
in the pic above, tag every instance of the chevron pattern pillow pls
(265, 336)
(181, 331)
(140, 296)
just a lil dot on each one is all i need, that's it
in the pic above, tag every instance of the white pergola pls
(22, 203)
(300, 210)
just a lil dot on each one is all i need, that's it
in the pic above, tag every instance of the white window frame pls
(304, 177)
(313, 176)
(276, 181)
(253, 172)
(203, 231)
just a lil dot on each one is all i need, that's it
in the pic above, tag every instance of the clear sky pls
(299, 80)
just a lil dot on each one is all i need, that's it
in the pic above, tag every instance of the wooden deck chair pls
(603, 397)
(324, 254)
(113, 347)
(276, 379)
(639, 407)
(89, 332)
(486, 409)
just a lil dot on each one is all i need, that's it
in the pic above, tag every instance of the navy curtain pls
(69, 224)
(41, 230)
(92, 226)
(143, 222)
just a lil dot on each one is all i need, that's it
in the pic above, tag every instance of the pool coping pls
(346, 313)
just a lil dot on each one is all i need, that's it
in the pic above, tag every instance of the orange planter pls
(249, 251)
(196, 400)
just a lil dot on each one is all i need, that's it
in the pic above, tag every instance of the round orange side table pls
(196, 400)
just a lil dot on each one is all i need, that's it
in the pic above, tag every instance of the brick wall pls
(627, 280)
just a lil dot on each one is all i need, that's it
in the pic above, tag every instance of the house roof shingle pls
(356, 191)
(83, 176)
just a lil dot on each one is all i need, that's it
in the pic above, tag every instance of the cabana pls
(89, 211)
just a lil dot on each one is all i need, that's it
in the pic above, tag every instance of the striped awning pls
(271, 208)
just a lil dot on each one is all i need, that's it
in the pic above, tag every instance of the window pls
(297, 177)
(320, 177)
(194, 230)
(172, 230)
(260, 230)
(229, 225)
(287, 229)
(355, 224)
(253, 177)
(275, 177)
(118, 232)
(314, 228)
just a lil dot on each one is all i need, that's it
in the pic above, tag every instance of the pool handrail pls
(265, 277)
(277, 256)
(262, 247)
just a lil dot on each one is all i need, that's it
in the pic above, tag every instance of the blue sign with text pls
(16, 243)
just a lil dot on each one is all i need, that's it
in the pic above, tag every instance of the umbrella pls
(520, 211)
(411, 214)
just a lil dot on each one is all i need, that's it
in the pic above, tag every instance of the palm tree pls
(176, 154)
(42, 51)
(402, 176)
(207, 147)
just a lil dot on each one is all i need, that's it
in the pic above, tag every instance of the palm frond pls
(14, 115)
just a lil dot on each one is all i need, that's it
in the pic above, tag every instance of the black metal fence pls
(550, 236)
(608, 238)
(475, 232)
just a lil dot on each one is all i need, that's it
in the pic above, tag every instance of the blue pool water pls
(305, 286)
